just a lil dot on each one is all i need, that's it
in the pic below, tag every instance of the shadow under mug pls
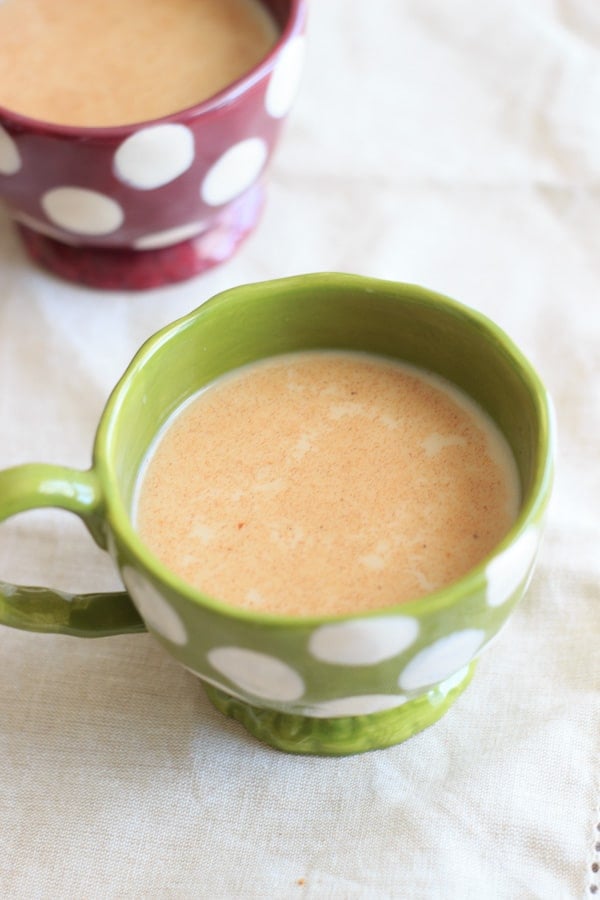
(151, 203)
(332, 685)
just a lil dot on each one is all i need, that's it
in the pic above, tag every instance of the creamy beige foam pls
(325, 483)
(114, 62)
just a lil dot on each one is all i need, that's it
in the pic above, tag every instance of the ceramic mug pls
(329, 685)
(141, 205)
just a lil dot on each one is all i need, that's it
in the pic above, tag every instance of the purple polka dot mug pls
(138, 206)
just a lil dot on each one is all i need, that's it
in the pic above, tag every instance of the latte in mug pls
(325, 483)
(97, 63)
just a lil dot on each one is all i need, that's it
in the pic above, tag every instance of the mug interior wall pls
(280, 10)
(264, 320)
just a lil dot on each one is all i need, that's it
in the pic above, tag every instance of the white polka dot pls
(154, 609)
(154, 156)
(362, 705)
(509, 570)
(285, 79)
(82, 211)
(441, 659)
(258, 674)
(234, 171)
(215, 683)
(10, 158)
(450, 683)
(169, 237)
(363, 642)
(44, 228)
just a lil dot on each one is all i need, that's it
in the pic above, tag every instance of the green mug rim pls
(119, 520)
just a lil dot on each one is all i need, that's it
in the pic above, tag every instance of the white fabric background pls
(455, 145)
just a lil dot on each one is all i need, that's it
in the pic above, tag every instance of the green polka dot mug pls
(325, 685)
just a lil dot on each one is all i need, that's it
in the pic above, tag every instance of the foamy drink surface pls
(97, 63)
(326, 483)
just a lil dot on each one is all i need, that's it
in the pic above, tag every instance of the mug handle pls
(35, 485)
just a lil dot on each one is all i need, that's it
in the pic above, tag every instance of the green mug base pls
(345, 735)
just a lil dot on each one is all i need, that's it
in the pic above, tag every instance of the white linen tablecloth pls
(456, 145)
